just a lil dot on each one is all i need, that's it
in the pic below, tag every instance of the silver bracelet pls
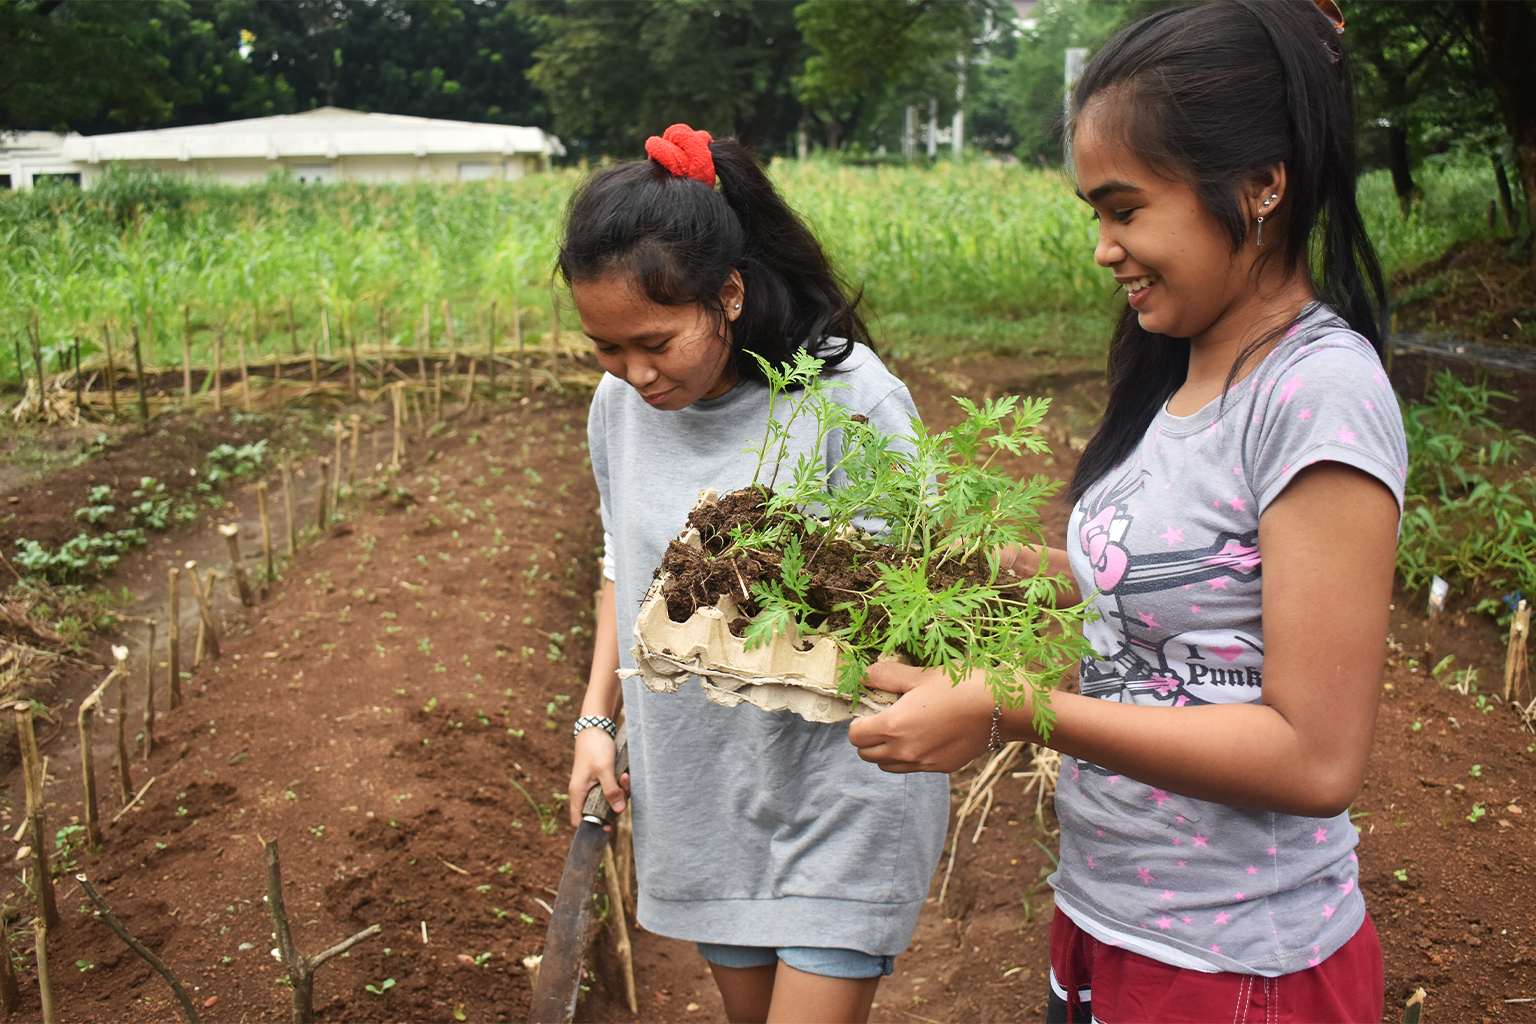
(602, 722)
(995, 743)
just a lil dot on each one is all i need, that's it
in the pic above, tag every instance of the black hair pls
(679, 239)
(1213, 95)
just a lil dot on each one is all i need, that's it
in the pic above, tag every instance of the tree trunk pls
(1506, 198)
(1506, 33)
(1397, 160)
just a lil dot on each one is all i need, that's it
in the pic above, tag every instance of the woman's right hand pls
(593, 766)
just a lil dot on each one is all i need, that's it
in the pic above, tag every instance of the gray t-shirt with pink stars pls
(1168, 541)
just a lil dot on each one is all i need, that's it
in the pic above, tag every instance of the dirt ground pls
(395, 713)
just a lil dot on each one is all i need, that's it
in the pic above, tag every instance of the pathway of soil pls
(396, 715)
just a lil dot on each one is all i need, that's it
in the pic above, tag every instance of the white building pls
(327, 144)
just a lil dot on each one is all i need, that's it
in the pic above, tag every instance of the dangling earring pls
(1259, 240)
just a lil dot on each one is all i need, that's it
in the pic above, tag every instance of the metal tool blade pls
(565, 943)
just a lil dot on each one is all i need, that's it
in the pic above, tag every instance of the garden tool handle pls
(596, 808)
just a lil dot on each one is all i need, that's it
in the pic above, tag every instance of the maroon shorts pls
(1094, 981)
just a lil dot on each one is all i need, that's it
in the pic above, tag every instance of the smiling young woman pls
(1234, 528)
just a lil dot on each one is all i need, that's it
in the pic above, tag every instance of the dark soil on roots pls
(838, 571)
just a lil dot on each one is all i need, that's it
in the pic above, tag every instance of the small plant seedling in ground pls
(1401, 874)
(378, 990)
(1476, 771)
(1478, 811)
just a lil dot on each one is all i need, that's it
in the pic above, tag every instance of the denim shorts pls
(829, 963)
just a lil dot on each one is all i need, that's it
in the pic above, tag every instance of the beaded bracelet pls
(602, 722)
(995, 742)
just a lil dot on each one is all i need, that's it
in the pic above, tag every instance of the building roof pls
(325, 133)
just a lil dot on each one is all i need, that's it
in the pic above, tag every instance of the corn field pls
(283, 272)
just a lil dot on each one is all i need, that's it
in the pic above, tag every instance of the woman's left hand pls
(935, 726)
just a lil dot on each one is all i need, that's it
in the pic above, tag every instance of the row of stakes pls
(301, 969)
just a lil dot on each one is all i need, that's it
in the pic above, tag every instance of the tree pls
(433, 58)
(871, 55)
(617, 71)
(1506, 35)
(1036, 73)
(70, 64)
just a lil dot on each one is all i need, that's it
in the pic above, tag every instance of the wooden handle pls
(596, 806)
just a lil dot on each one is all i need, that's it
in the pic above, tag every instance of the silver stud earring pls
(737, 306)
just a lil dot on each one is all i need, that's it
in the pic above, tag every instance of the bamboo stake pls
(209, 633)
(453, 341)
(351, 336)
(138, 947)
(10, 995)
(301, 969)
(416, 406)
(186, 355)
(231, 534)
(426, 326)
(77, 374)
(322, 521)
(293, 328)
(490, 351)
(617, 914)
(340, 430)
(352, 458)
(325, 332)
(32, 768)
(314, 353)
(85, 720)
(40, 925)
(266, 528)
(396, 441)
(245, 370)
(218, 368)
(469, 385)
(287, 469)
(106, 338)
(1516, 663)
(138, 369)
(522, 352)
(173, 663)
(437, 393)
(421, 354)
(373, 453)
(124, 782)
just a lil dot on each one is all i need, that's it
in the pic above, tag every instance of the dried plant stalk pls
(231, 535)
(301, 969)
(321, 505)
(32, 769)
(266, 528)
(85, 720)
(287, 469)
(209, 634)
(138, 947)
(172, 659)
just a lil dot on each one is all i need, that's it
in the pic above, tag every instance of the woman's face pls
(1174, 261)
(673, 355)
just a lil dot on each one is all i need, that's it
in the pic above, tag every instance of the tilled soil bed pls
(373, 713)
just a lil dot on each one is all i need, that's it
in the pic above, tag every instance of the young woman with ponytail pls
(1234, 526)
(798, 868)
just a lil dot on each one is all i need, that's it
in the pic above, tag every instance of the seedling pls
(1401, 874)
(378, 990)
(1478, 811)
(932, 588)
(1476, 771)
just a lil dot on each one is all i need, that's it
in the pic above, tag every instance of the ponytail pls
(1212, 95)
(679, 239)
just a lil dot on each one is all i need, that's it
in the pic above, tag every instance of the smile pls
(658, 397)
(1140, 284)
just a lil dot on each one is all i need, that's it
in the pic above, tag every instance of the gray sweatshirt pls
(751, 828)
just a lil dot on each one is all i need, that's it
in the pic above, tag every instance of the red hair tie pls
(684, 152)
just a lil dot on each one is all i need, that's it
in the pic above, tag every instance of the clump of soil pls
(841, 570)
